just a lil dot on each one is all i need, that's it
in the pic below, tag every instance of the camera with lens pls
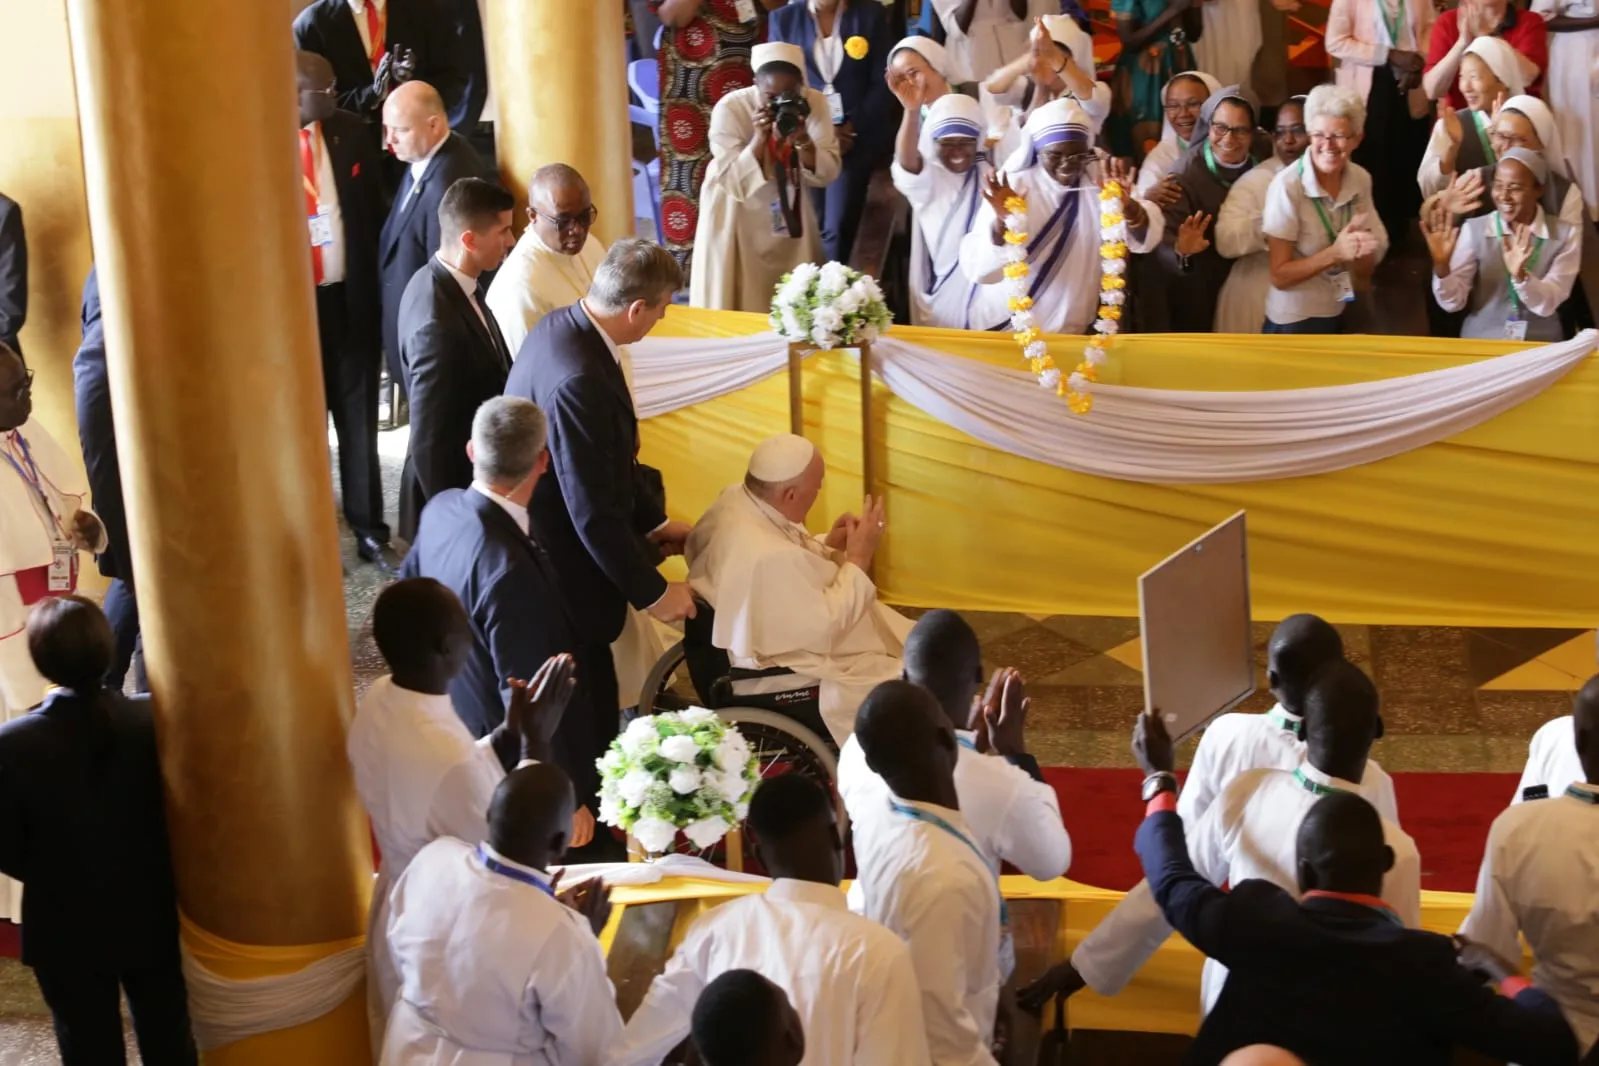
(789, 112)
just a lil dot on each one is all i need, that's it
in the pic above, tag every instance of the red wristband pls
(1512, 987)
(1165, 801)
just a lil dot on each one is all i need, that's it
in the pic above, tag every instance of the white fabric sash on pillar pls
(1163, 436)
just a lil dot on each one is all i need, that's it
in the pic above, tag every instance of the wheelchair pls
(782, 723)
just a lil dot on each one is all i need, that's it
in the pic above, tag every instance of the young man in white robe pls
(1059, 176)
(1250, 832)
(849, 978)
(1552, 761)
(419, 773)
(1013, 814)
(495, 969)
(944, 189)
(43, 526)
(924, 877)
(756, 220)
(554, 260)
(786, 598)
(1540, 880)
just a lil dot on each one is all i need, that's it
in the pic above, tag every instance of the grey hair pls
(507, 440)
(769, 490)
(1335, 101)
(634, 269)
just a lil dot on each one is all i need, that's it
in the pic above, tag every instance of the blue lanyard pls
(932, 819)
(1582, 794)
(970, 745)
(32, 478)
(527, 878)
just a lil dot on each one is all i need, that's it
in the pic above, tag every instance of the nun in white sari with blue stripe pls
(1057, 173)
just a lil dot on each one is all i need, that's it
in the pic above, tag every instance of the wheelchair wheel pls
(783, 746)
(668, 687)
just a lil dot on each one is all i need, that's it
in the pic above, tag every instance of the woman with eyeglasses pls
(1186, 272)
(1156, 38)
(1322, 232)
(1181, 101)
(1241, 307)
(1522, 122)
(1490, 74)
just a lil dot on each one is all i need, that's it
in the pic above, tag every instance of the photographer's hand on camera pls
(762, 137)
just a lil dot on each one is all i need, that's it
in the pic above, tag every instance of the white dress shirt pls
(1013, 818)
(327, 203)
(619, 353)
(850, 979)
(827, 51)
(1540, 878)
(1250, 832)
(358, 12)
(494, 970)
(940, 897)
(468, 285)
(1291, 215)
(1551, 758)
(517, 512)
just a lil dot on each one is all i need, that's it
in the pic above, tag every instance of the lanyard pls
(1532, 262)
(311, 164)
(970, 745)
(1210, 163)
(1582, 795)
(526, 877)
(1482, 136)
(1392, 25)
(1280, 719)
(932, 819)
(1316, 787)
(1321, 212)
(1361, 898)
(32, 478)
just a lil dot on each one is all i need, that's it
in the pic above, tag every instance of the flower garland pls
(1112, 294)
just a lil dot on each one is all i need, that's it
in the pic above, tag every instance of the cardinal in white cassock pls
(786, 598)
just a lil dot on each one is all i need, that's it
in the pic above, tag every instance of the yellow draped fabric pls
(1492, 527)
(1163, 998)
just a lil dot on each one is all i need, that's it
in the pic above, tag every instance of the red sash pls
(34, 584)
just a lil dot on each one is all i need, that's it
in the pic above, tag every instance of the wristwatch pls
(1158, 782)
(1185, 263)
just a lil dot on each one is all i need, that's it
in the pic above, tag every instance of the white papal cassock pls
(928, 883)
(494, 971)
(40, 491)
(1250, 831)
(741, 247)
(784, 598)
(1540, 878)
(850, 979)
(420, 776)
(1551, 758)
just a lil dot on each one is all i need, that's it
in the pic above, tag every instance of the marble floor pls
(1454, 700)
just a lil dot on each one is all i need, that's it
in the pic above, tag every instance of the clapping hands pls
(1517, 247)
(1356, 241)
(1438, 226)
(1000, 720)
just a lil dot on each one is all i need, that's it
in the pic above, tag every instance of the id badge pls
(835, 106)
(61, 568)
(779, 223)
(321, 229)
(1515, 329)
(1343, 286)
(745, 9)
(1007, 953)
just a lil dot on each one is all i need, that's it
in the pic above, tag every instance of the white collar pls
(467, 282)
(615, 350)
(503, 861)
(517, 512)
(948, 814)
(1311, 182)
(426, 701)
(783, 521)
(420, 166)
(1312, 774)
(1540, 223)
(359, 6)
(792, 890)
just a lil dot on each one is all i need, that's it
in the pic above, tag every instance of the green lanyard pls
(1321, 212)
(1482, 135)
(1582, 794)
(1316, 788)
(1394, 24)
(1532, 262)
(1280, 719)
(1210, 162)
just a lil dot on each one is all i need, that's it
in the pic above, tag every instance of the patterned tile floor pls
(1454, 700)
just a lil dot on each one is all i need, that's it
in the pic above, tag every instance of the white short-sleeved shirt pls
(1291, 214)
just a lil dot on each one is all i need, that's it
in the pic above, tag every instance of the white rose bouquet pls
(687, 771)
(829, 306)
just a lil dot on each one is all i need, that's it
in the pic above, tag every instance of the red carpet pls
(1448, 816)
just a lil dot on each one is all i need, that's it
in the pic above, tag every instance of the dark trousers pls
(1335, 324)
(839, 205)
(122, 611)
(350, 378)
(87, 1011)
(1391, 150)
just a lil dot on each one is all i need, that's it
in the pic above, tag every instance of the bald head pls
(1341, 847)
(1300, 645)
(908, 742)
(560, 208)
(530, 815)
(942, 655)
(1262, 1055)
(414, 122)
(1585, 724)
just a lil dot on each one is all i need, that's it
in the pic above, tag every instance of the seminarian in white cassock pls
(784, 597)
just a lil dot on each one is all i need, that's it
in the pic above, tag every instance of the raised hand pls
(1493, 112)
(1191, 234)
(591, 899)
(1450, 119)
(1006, 715)
(905, 90)
(1152, 746)
(1517, 248)
(838, 536)
(861, 544)
(404, 68)
(1122, 172)
(1464, 195)
(997, 190)
(536, 707)
(1438, 226)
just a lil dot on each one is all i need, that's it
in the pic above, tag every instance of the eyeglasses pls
(1508, 140)
(1337, 140)
(1290, 131)
(1221, 131)
(1183, 107)
(23, 387)
(581, 220)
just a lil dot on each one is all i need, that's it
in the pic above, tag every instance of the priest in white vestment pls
(756, 220)
(494, 969)
(784, 597)
(43, 527)
(1058, 174)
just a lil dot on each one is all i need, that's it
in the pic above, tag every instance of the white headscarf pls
(1059, 120)
(1503, 60)
(928, 49)
(1543, 120)
(1168, 135)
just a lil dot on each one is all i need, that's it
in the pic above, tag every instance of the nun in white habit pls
(1175, 139)
(1055, 172)
(784, 597)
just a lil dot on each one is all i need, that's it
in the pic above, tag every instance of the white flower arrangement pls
(686, 770)
(829, 307)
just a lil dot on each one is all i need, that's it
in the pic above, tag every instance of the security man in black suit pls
(97, 436)
(452, 351)
(83, 827)
(343, 204)
(595, 508)
(1334, 976)
(384, 45)
(416, 131)
(13, 273)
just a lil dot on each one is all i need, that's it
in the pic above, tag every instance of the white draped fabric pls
(223, 1010)
(1160, 436)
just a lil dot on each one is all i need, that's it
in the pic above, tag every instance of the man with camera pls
(769, 143)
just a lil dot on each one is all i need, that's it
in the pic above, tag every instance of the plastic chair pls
(644, 78)
(647, 194)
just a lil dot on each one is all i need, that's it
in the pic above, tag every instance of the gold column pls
(560, 88)
(200, 238)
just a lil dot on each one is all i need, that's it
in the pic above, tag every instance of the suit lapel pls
(488, 345)
(807, 43)
(500, 347)
(600, 354)
(496, 517)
